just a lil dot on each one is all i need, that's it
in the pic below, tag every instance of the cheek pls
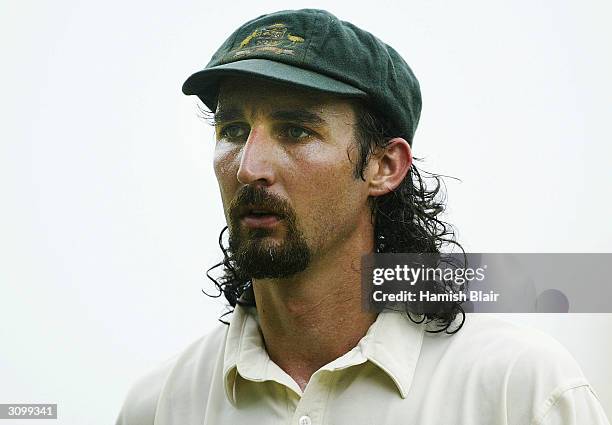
(224, 158)
(225, 166)
(328, 188)
(328, 170)
(223, 155)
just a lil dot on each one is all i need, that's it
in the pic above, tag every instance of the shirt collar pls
(393, 343)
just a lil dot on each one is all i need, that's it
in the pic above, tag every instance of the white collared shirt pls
(490, 373)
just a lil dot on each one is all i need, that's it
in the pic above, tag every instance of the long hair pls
(406, 220)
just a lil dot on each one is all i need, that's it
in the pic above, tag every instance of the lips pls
(259, 216)
(257, 211)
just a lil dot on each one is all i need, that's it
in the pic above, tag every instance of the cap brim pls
(205, 83)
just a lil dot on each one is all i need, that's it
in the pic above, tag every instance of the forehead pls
(253, 95)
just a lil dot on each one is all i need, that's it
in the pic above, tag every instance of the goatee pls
(255, 257)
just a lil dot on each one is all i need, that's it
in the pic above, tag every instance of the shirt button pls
(304, 420)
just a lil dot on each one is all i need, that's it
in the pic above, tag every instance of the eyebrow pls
(226, 115)
(300, 116)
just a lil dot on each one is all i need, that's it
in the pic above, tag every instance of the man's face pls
(282, 160)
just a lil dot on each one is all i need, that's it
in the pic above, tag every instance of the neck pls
(316, 316)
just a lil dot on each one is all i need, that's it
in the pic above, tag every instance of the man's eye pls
(233, 132)
(297, 132)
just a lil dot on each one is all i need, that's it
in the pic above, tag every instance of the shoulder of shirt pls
(139, 407)
(528, 366)
(528, 347)
(518, 350)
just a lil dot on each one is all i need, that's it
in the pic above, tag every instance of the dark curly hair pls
(406, 220)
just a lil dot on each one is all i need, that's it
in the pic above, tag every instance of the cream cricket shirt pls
(490, 373)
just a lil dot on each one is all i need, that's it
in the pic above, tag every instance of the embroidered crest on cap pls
(274, 38)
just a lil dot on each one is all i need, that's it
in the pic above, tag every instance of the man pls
(314, 122)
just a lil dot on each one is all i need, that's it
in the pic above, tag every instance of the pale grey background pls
(110, 211)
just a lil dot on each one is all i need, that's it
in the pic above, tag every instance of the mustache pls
(259, 197)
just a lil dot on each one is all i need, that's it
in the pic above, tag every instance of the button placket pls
(304, 420)
(312, 404)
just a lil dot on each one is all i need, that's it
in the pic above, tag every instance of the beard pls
(253, 255)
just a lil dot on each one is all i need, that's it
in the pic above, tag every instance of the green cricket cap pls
(315, 50)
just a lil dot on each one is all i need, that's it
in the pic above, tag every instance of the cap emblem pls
(273, 38)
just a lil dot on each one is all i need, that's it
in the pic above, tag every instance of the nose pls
(256, 163)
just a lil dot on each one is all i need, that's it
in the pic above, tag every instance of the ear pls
(389, 167)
